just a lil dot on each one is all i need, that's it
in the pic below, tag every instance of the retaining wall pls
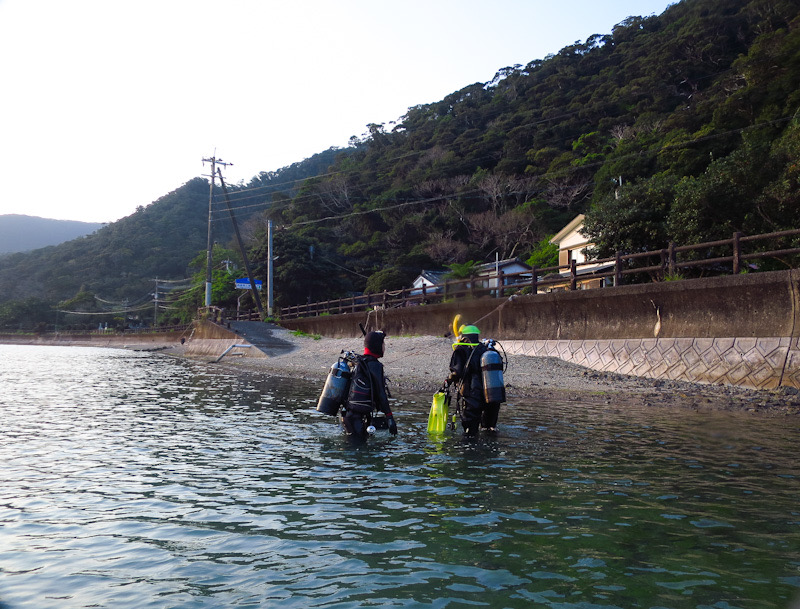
(739, 330)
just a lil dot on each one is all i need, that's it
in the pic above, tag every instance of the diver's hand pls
(392, 426)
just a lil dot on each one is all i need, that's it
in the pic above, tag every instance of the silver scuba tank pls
(336, 386)
(494, 388)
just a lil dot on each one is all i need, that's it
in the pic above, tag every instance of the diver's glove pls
(392, 425)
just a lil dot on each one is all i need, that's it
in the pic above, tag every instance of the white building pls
(572, 244)
(510, 271)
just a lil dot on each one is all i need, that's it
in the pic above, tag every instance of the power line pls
(118, 312)
(174, 280)
(541, 119)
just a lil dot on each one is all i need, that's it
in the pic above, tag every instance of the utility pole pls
(269, 268)
(155, 306)
(214, 162)
(256, 296)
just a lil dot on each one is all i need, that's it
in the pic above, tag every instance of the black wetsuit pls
(465, 371)
(367, 393)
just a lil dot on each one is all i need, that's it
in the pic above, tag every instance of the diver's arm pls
(457, 363)
(381, 400)
(380, 397)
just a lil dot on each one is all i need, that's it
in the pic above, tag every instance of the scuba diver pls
(476, 369)
(368, 391)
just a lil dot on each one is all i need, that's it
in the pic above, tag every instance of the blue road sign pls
(244, 284)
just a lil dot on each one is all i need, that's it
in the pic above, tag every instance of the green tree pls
(461, 270)
(304, 269)
(692, 108)
(386, 279)
(25, 315)
(635, 220)
(545, 254)
(720, 201)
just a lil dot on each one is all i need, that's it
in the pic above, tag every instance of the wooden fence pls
(715, 257)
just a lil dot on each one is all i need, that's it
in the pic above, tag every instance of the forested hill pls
(120, 262)
(682, 126)
(674, 127)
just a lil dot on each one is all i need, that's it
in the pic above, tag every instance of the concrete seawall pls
(142, 342)
(737, 330)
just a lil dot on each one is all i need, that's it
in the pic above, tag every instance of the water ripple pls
(137, 480)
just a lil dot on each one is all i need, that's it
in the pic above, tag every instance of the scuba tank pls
(334, 393)
(494, 388)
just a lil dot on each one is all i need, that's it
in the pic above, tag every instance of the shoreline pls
(418, 365)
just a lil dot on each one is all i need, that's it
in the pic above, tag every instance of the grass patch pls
(302, 334)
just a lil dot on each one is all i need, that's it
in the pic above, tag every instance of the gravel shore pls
(419, 365)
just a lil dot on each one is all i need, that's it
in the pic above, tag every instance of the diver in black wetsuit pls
(465, 372)
(368, 390)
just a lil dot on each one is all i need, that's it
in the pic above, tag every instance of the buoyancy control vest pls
(360, 395)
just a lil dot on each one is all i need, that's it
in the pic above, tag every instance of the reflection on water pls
(137, 480)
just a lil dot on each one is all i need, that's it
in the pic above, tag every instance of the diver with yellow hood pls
(476, 369)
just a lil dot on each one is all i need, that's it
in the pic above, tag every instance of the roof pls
(437, 277)
(434, 277)
(488, 266)
(573, 225)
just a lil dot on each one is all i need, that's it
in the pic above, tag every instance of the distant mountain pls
(19, 233)
(121, 260)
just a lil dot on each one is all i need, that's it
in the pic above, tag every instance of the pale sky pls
(110, 104)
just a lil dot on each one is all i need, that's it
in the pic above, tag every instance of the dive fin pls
(437, 418)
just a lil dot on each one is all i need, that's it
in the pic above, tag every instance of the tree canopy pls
(678, 127)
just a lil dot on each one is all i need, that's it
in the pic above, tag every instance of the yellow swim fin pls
(437, 418)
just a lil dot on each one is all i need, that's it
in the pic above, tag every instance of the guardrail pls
(725, 256)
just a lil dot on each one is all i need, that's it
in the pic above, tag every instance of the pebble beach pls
(418, 365)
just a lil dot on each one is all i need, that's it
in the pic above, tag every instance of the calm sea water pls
(138, 480)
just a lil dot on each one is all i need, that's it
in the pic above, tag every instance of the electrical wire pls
(119, 312)
(596, 109)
